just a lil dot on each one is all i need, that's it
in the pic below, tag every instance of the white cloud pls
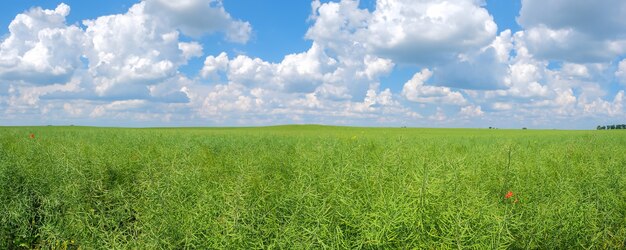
(213, 65)
(199, 17)
(480, 70)
(102, 110)
(375, 67)
(314, 70)
(373, 101)
(574, 30)
(250, 71)
(226, 98)
(621, 72)
(424, 31)
(500, 106)
(403, 30)
(339, 26)
(582, 15)
(131, 51)
(416, 91)
(471, 111)
(571, 45)
(41, 48)
(573, 70)
(128, 54)
(303, 72)
(106, 68)
(190, 50)
(439, 116)
(601, 107)
(503, 45)
(127, 66)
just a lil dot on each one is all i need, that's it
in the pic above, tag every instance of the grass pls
(311, 187)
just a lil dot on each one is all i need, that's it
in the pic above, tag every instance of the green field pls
(311, 187)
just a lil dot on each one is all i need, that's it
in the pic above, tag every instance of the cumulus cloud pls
(303, 72)
(602, 107)
(471, 111)
(621, 72)
(110, 62)
(131, 51)
(229, 98)
(126, 56)
(199, 17)
(339, 26)
(213, 65)
(584, 16)
(416, 91)
(127, 66)
(406, 31)
(426, 31)
(311, 71)
(438, 116)
(375, 100)
(482, 69)
(41, 48)
(578, 30)
(190, 50)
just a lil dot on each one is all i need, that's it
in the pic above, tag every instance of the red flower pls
(32, 136)
(508, 195)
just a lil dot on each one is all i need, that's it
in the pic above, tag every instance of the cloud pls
(601, 107)
(41, 49)
(416, 91)
(190, 50)
(405, 31)
(577, 31)
(339, 26)
(111, 62)
(224, 99)
(477, 71)
(131, 51)
(621, 72)
(213, 65)
(127, 66)
(303, 72)
(471, 111)
(426, 31)
(311, 71)
(199, 17)
(438, 116)
(584, 16)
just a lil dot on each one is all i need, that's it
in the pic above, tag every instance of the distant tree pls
(524, 128)
(613, 126)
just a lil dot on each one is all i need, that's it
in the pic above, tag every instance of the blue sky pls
(426, 63)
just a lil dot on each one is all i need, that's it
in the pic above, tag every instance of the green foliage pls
(311, 187)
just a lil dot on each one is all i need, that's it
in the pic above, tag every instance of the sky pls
(417, 63)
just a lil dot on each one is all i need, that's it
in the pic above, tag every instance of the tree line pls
(617, 126)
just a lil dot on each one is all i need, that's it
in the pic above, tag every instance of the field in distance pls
(311, 187)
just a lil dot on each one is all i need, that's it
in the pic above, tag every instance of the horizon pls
(301, 125)
(213, 63)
